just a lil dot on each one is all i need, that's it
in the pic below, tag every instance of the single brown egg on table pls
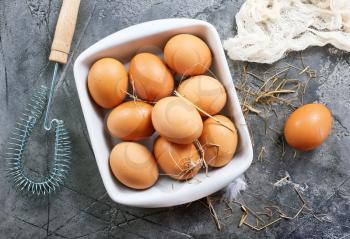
(131, 121)
(205, 92)
(150, 77)
(308, 127)
(177, 120)
(133, 165)
(178, 161)
(108, 82)
(218, 140)
(187, 55)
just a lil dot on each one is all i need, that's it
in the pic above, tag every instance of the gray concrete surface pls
(83, 210)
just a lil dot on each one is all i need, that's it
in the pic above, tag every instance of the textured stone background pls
(83, 210)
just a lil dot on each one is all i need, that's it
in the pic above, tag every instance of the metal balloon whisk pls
(42, 101)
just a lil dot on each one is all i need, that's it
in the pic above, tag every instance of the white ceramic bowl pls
(123, 45)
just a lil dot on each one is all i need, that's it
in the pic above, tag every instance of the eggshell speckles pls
(176, 120)
(131, 121)
(133, 165)
(205, 92)
(151, 79)
(219, 141)
(108, 82)
(179, 161)
(187, 54)
(308, 127)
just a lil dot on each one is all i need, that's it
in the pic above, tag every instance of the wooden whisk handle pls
(64, 31)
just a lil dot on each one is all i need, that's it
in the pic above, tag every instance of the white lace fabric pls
(268, 29)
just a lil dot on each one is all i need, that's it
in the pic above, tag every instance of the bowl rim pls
(138, 32)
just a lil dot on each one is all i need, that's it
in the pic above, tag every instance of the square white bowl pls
(123, 45)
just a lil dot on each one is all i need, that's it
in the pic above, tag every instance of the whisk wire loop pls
(19, 138)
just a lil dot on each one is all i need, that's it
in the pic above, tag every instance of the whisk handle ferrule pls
(64, 31)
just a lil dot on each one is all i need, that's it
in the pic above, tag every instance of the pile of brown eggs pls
(185, 113)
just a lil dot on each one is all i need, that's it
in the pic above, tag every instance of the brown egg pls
(108, 82)
(205, 92)
(187, 55)
(179, 161)
(133, 165)
(151, 79)
(219, 141)
(131, 121)
(176, 120)
(308, 127)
